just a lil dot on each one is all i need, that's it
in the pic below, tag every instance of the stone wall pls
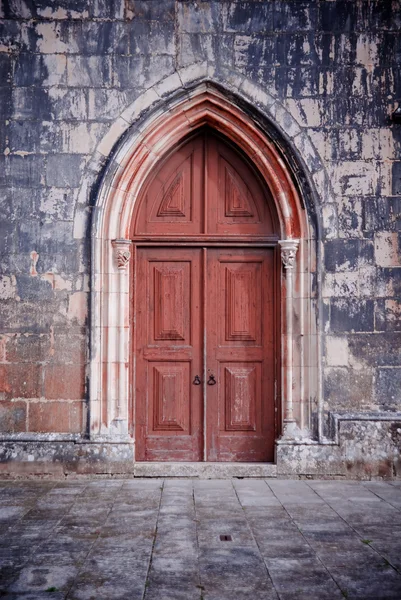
(68, 69)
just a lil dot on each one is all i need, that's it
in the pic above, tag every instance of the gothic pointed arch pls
(128, 173)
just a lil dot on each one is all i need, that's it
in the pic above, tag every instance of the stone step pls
(206, 470)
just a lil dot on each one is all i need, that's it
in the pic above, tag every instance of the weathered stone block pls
(13, 417)
(31, 103)
(64, 382)
(354, 178)
(10, 36)
(108, 104)
(5, 69)
(351, 314)
(67, 104)
(348, 254)
(381, 15)
(158, 10)
(32, 136)
(141, 72)
(200, 17)
(387, 248)
(4, 171)
(24, 316)
(371, 448)
(247, 17)
(27, 171)
(396, 178)
(381, 214)
(379, 350)
(62, 242)
(106, 9)
(56, 417)
(33, 289)
(388, 314)
(342, 285)
(205, 47)
(78, 308)
(54, 37)
(64, 170)
(27, 347)
(36, 69)
(80, 138)
(351, 217)
(55, 204)
(293, 15)
(7, 287)
(21, 380)
(151, 38)
(263, 52)
(301, 50)
(348, 389)
(27, 236)
(301, 82)
(89, 71)
(389, 281)
(103, 37)
(388, 387)
(46, 9)
(53, 259)
(336, 351)
(338, 16)
(69, 345)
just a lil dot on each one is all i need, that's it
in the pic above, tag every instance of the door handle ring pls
(211, 380)
(197, 380)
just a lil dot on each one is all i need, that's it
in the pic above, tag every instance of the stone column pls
(288, 253)
(122, 255)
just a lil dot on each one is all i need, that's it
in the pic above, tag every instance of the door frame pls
(139, 154)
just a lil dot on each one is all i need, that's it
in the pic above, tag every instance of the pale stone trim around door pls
(111, 387)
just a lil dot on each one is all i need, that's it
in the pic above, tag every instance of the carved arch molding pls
(111, 390)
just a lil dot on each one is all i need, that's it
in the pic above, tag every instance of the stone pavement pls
(148, 539)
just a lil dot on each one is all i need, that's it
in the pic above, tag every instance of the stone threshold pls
(204, 470)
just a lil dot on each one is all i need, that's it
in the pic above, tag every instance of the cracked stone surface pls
(148, 539)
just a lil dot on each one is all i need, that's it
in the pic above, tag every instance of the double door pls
(204, 368)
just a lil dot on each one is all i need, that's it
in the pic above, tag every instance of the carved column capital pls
(122, 253)
(289, 250)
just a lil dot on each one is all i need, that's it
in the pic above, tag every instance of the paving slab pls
(195, 539)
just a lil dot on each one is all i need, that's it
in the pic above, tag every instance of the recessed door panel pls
(236, 202)
(240, 388)
(170, 289)
(241, 288)
(172, 201)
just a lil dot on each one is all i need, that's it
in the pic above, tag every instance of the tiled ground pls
(160, 539)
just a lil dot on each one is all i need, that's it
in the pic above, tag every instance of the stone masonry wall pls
(69, 68)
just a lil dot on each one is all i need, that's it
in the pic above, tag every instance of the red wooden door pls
(169, 350)
(240, 355)
(205, 310)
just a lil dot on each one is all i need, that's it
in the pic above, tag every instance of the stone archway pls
(129, 169)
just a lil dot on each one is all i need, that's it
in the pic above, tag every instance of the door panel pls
(173, 200)
(169, 350)
(236, 201)
(240, 355)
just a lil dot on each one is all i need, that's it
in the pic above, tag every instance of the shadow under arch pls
(128, 168)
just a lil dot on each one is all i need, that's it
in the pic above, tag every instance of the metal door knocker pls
(197, 380)
(211, 380)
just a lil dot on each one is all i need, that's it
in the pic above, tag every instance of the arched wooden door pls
(205, 309)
